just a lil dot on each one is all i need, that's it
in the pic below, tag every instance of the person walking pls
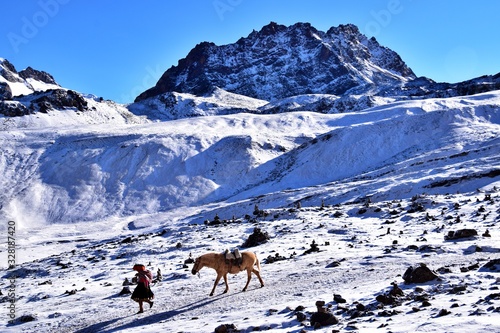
(142, 293)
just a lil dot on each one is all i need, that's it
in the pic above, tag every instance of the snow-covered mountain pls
(25, 82)
(351, 188)
(27, 96)
(279, 61)
(294, 68)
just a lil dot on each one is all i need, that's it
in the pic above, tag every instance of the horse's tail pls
(257, 262)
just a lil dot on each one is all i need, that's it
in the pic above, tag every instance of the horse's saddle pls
(233, 257)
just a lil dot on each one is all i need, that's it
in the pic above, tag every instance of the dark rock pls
(492, 265)
(462, 233)
(385, 299)
(226, 328)
(469, 268)
(59, 99)
(493, 296)
(301, 316)
(387, 313)
(338, 299)
(256, 238)
(125, 291)
(26, 318)
(320, 319)
(458, 289)
(30, 73)
(396, 291)
(443, 312)
(9, 72)
(313, 248)
(333, 264)
(419, 274)
(14, 109)
(43, 102)
(5, 91)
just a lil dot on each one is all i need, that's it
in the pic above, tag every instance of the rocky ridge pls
(279, 61)
(295, 68)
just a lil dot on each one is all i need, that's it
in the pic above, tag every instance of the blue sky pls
(117, 49)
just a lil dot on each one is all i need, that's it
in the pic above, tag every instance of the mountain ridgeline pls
(278, 62)
(295, 68)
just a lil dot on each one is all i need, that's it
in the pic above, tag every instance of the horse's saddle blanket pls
(235, 255)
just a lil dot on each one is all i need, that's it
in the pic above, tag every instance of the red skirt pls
(142, 293)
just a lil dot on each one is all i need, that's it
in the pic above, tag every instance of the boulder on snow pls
(419, 274)
(256, 238)
(226, 328)
(125, 291)
(461, 233)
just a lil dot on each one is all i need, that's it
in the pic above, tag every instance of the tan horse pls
(218, 262)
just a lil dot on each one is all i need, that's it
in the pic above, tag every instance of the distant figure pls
(322, 317)
(159, 277)
(142, 293)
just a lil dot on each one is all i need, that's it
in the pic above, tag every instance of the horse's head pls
(197, 266)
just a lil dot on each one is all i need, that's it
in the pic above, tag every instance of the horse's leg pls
(256, 272)
(227, 285)
(217, 279)
(249, 277)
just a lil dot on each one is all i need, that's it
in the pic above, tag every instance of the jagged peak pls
(7, 65)
(31, 73)
(344, 29)
(272, 28)
(279, 61)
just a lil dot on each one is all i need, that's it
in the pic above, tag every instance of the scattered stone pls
(338, 299)
(443, 312)
(492, 265)
(458, 289)
(125, 291)
(258, 237)
(226, 328)
(396, 291)
(277, 257)
(420, 274)
(314, 248)
(469, 268)
(323, 317)
(462, 233)
(45, 283)
(387, 313)
(26, 318)
(333, 264)
(493, 296)
(301, 316)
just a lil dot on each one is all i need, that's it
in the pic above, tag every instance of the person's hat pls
(139, 267)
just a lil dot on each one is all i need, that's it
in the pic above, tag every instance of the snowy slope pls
(90, 173)
(173, 105)
(93, 192)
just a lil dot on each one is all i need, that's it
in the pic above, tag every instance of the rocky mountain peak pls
(281, 61)
(8, 71)
(30, 73)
